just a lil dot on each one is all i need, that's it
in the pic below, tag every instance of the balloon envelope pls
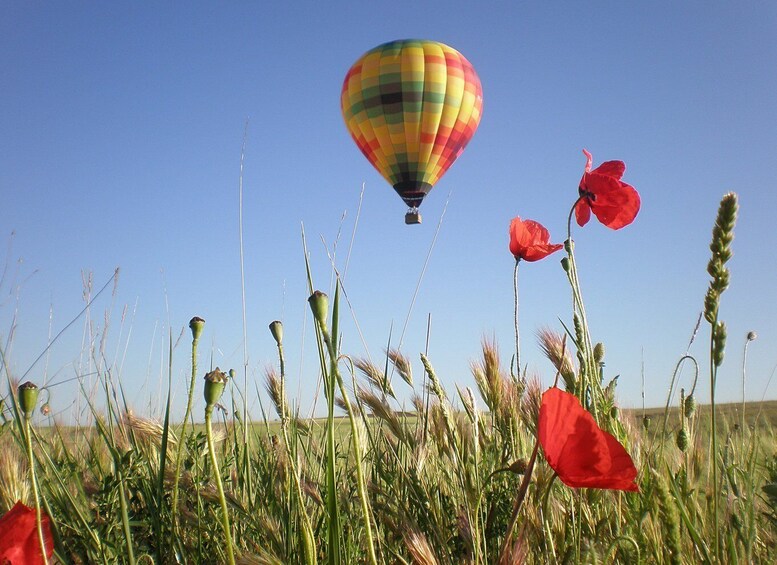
(412, 106)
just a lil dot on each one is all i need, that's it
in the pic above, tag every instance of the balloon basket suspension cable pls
(413, 216)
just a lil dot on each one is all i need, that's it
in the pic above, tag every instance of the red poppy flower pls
(602, 191)
(529, 240)
(19, 543)
(578, 450)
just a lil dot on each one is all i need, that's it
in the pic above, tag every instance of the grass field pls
(505, 473)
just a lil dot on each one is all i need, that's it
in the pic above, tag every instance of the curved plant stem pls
(217, 475)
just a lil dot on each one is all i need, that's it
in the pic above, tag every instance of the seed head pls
(28, 398)
(196, 324)
(690, 405)
(718, 343)
(599, 352)
(682, 439)
(214, 386)
(319, 305)
(276, 329)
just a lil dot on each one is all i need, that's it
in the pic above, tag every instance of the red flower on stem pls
(19, 544)
(529, 240)
(578, 450)
(613, 202)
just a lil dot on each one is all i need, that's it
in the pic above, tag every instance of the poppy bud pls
(645, 422)
(196, 324)
(752, 336)
(214, 386)
(45, 409)
(231, 373)
(569, 246)
(319, 305)
(565, 264)
(276, 329)
(28, 398)
(614, 412)
(518, 466)
(599, 352)
(682, 439)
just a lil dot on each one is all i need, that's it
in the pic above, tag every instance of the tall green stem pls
(515, 321)
(334, 377)
(589, 367)
(33, 480)
(722, 235)
(217, 476)
(713, 423)
(307, 528)
(196, 325)
(125, 517)
(518, 502)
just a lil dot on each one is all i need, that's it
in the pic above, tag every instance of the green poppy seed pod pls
(276, 329)
(646, 422)
(614, 412)
(214, 386)
(28, 398)
(319, 305)
(690, 405)
(231, 373)
(196, 324)
(682, 439)
(599, 352)
(565, 264)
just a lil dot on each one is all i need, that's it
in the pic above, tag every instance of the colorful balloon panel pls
(412, 106)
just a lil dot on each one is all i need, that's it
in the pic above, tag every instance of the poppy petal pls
(19, 543)
(615, 207)
(582, 212)
(537, 252)
(578, 450)
(589, 159)
(613, 169)
(529, 240)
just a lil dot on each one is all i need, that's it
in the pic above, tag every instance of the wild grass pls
(437, 489)
(375, 483)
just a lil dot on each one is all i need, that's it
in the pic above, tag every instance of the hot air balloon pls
(412, 106)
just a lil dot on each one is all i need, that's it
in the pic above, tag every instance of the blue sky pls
(121, 126)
